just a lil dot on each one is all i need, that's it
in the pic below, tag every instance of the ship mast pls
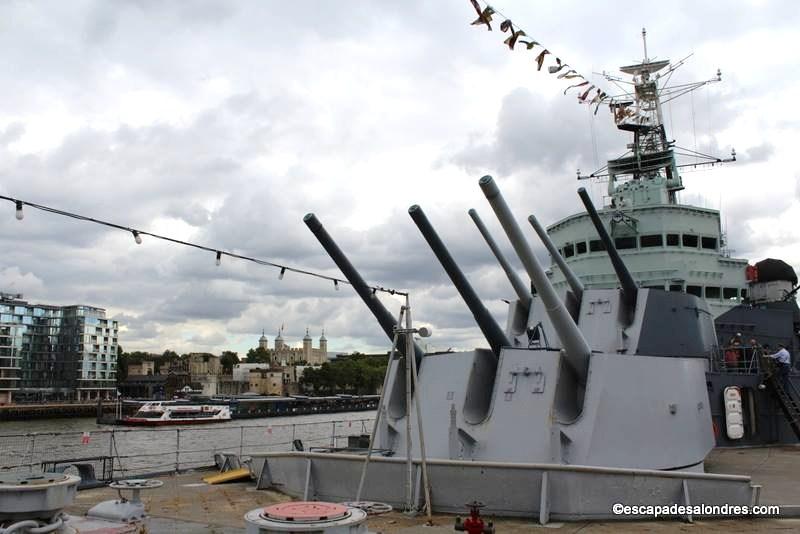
(650, 163)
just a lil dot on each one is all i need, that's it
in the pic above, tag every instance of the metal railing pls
(149, 451)
(737, 359)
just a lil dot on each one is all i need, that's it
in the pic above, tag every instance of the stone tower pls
(307, 347)
(263, 343)
(323, 347)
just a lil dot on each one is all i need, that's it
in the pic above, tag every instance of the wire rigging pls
(219, 253)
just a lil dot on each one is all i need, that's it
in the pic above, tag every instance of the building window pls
(623, 243)
(647, 241)
(697, 291)
(569, 251)
(709, 243)
(713, 292)
(676, 287)
(729, 293)
(690, 240)
(595, 245)
(580, 247)
(673, 240)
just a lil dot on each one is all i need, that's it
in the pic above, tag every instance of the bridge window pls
(677, 288)
(595, 245)
(712, 292)
(569, 250)
(580, 247)
(709, 242)
(697, 291)
(673, 240)
(729, 293)
(623, 243)
(690, 240)
(647, 241)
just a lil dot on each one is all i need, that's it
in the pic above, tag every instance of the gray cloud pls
(225, 123)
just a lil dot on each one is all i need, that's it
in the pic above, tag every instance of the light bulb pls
(219, 258)
(137, 237)
(20, 215)
(283, 271)
(336, 285)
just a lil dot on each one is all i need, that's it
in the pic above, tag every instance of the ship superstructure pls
(665, 244)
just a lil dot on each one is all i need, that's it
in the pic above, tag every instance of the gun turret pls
(491, 330)
(628, 286)
(523, 291)
(574, 282)
(385, 319)
(575, 346)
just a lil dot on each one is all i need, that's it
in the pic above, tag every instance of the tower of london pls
(283, 354)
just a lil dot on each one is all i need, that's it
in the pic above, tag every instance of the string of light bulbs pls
(219, 253)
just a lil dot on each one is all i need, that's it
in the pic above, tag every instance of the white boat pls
(161, 413)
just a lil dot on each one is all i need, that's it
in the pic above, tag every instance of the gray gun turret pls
(576, 348)
(384, 317)
(491, 330)
(574, 282)
(523, 291)
(627, 285)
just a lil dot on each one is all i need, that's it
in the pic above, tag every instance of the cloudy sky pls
(224, 123)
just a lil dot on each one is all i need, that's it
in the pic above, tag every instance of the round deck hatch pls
(310, 517)
(304, 512)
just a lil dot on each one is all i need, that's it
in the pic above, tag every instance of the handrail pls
(180, 448)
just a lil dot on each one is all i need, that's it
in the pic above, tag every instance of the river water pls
(24, 445)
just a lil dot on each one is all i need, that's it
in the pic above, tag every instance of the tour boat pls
(161, 413)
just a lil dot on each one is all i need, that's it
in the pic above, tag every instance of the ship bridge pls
(673, 247)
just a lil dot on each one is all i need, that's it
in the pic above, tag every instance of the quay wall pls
(24, 412)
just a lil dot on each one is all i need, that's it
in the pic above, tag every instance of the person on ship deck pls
(783, 361)
(733, 353)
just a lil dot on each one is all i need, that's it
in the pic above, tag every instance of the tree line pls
(358, 374)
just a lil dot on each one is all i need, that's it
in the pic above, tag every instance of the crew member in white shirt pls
(783, 360)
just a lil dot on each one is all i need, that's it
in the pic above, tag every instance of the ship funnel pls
(384, 317)
(523, 291)
(491, 330)
(574, 282)
(575, 346)
(629, 289)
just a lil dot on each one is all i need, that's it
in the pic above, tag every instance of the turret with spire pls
(307, 347)
(263, 343)
(323, 346)
(279, 339)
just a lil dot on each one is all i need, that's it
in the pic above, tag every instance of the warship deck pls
(185, 504)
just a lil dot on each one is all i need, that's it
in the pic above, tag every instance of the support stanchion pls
(377, 414)
(418, 403)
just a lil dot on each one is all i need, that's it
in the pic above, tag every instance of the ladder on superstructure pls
(789, 406)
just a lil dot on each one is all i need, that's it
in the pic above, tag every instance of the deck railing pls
(148, 451)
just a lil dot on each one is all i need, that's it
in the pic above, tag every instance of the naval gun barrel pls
(629, 289)
(575, 346)
(384, 317)
(523, 291)
(574, 282)
(491, 330)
